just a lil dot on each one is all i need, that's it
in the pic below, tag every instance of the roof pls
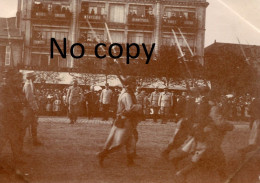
(217, 48)
(10, 23)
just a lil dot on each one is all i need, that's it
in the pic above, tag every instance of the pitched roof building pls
(250, 53)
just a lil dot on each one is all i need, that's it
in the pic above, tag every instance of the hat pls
(30, 74)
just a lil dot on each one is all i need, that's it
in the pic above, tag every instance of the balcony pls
(39, 43)
(94, 19)
(179, 22)
(43, 45)
(136, 22)
(42, 16)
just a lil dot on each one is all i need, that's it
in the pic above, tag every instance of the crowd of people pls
(52, 102)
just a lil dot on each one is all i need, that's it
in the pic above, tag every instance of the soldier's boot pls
(36, 142)
(165, 154)
(34, 132)
(101, 156)
(130, 159)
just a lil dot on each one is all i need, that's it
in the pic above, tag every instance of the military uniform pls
(12, 126)
(31, 110)
(140, 100)
(74, 97)
(122, 131)
(165, 102)
(154, 98)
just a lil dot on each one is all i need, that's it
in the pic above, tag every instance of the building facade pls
(128, 21)
(11, 43)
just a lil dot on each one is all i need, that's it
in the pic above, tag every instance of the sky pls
(226, 20)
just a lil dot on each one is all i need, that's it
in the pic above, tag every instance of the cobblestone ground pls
(69, 152)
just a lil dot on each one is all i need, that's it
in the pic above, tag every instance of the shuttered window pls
(7, 55)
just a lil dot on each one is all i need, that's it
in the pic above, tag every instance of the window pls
(44, 60)
(8, 55)
(140, 38)
(117, 13)
(49, 7)
(117, 37)
(93, 8)
(89, 36)
(46, 35)
(36, 60)
(140, 11)
(2, 55)
(187, 13)
(168, 40)
(62, 62)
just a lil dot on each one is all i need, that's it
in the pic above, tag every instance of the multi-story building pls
(128, 21)
(11, 43)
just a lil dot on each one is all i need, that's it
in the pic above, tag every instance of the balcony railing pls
(141, 20)
(179, 22)
(45, 43)
(92, 18)
(38, 42)
(41, 14)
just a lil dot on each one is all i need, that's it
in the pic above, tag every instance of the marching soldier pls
(122, 131)
(254, 137)
(74, 98)
(154, 98)
(165, 102)
(31, 110)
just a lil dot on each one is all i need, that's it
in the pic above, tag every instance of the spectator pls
(105, 101)
(56, 105)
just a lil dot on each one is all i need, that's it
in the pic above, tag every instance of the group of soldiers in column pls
(197, 138)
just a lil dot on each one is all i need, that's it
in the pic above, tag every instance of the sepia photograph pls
(129, 91)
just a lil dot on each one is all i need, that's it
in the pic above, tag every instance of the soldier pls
(106, 100)
(154, 103)
(205, 149)
(91, 98)
(180, 106)
(254, 137)
(165, 102)
(12, 102)
(74, 98)
(31, 110)
(122, 131)
(140, 98)
(183, 129)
